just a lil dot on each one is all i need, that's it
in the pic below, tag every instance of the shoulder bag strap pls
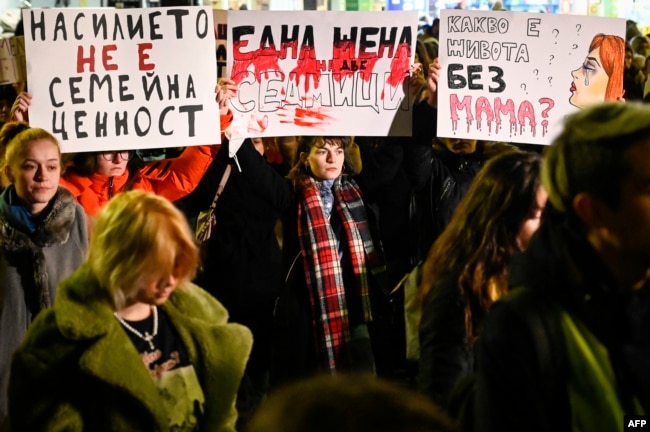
(222, 185)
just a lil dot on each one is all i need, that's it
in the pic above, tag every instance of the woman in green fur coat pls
(131, 344)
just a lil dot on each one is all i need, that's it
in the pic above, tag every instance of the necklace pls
(147, 337)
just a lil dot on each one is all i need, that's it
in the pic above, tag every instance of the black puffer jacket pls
(439, 178)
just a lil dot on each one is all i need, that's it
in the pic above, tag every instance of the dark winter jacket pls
(525, 368)
(294, 335)
(446, 354)
(243, 260)
(439, 178)
(392, 201)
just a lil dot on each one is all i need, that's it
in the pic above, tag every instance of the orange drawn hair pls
(612, 57)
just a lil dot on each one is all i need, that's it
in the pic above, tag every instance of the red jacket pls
(170, 178)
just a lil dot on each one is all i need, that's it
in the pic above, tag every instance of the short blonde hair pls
(139, 236)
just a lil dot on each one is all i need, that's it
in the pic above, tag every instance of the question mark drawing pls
(550, 58)
(550, 79)
(523, 86)
(556, 32)
(536, 72)
(551, 104)
(578, 27)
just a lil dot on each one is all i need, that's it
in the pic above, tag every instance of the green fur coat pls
(77, 370)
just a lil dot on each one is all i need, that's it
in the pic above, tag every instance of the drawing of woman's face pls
(589, 81)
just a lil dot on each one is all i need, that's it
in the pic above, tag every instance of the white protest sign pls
(110, 79)
(313, 73)
(515, 76)
(12, 60)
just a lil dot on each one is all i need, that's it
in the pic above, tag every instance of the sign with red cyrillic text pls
(314, 72)
(515, 76)
(116, 79)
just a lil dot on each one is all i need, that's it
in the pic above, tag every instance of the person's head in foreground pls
(597, 172)
(348, 403)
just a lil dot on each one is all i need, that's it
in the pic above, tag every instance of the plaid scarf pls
(323, 268)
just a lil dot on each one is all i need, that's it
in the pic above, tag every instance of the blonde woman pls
(131, 344)
(43, 236)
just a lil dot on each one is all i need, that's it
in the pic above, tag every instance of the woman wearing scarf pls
(331, 305)
(43, 236)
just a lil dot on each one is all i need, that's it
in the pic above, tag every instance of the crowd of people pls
(533, 303)
(637, 64)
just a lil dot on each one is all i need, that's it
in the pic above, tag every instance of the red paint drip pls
(307, 67)
(263, 61)
(341, 59)
(400, 65)
(344, 63)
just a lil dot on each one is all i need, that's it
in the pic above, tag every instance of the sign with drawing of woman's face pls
(600, 76)
(514, 76)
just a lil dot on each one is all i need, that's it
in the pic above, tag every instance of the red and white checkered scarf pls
(324, 270)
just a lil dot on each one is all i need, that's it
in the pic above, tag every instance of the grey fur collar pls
(53, 229)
